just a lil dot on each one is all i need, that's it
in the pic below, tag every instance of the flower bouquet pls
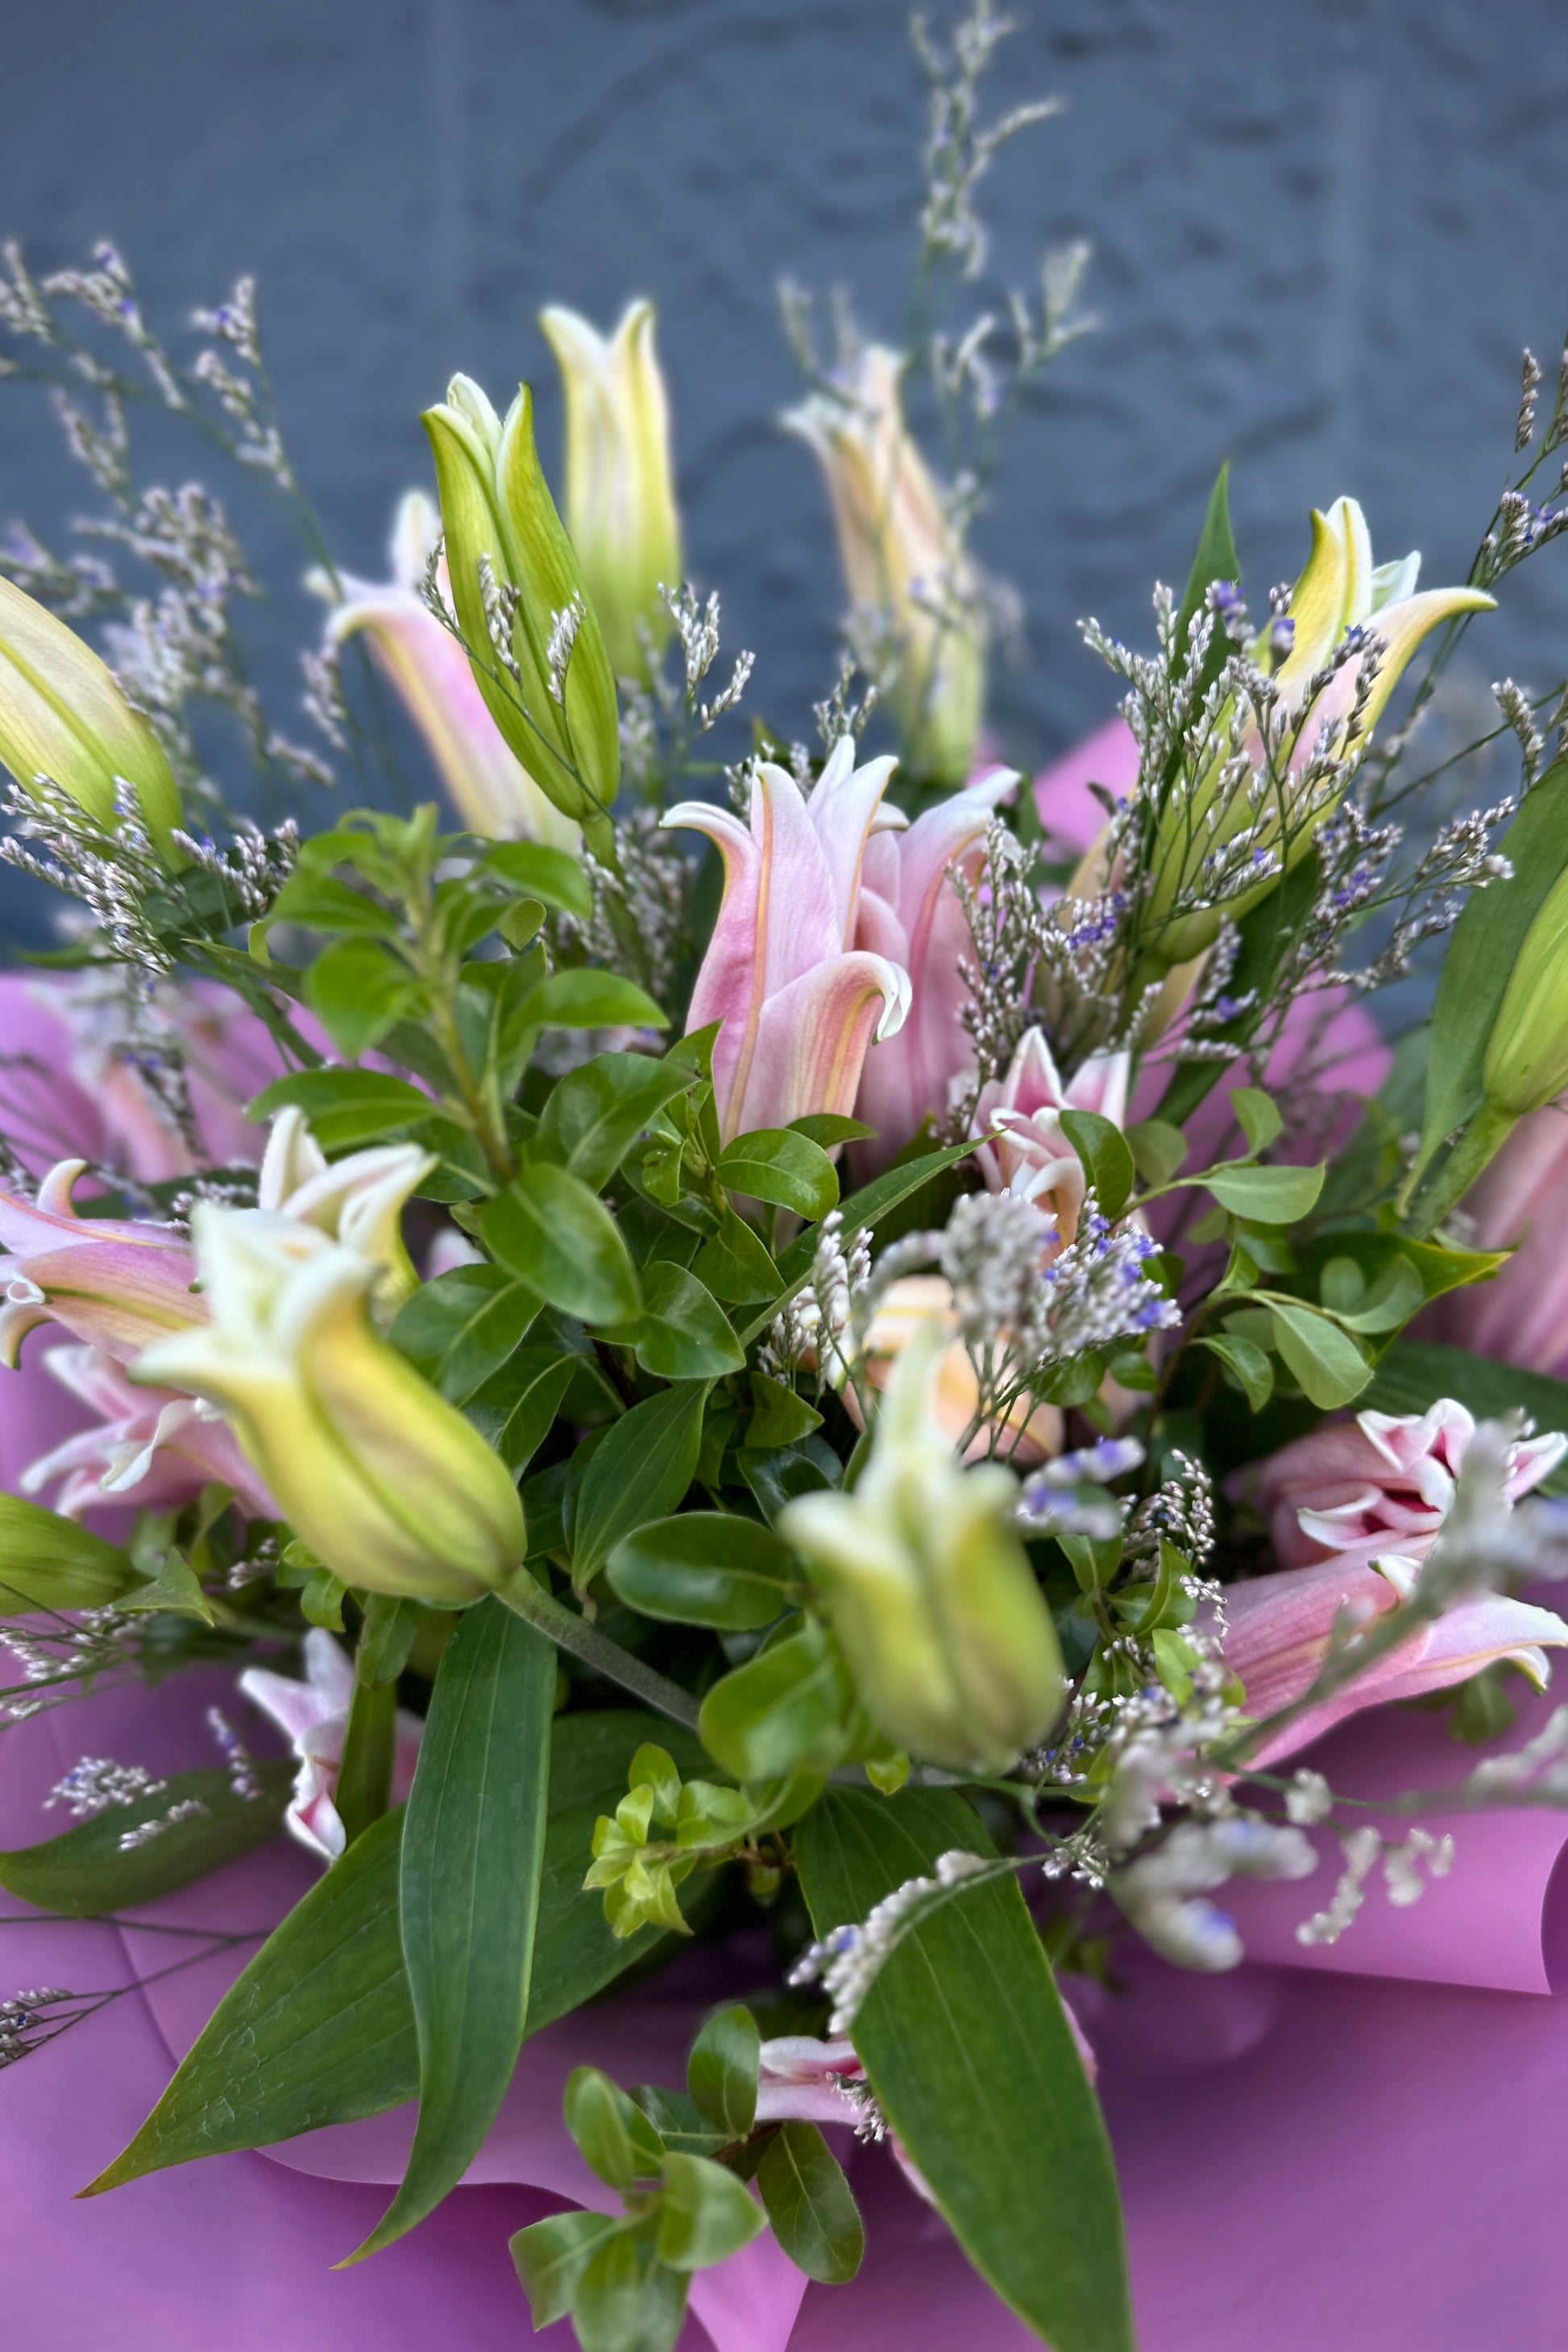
(768, 1459)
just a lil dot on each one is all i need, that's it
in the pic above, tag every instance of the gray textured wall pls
(1323, 232)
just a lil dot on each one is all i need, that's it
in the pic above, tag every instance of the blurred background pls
(1321, 235)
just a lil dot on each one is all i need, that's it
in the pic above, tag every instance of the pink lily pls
(914, 1299)
(1281, 1628)
(1521, 1316)
(490, 789)
(909, 913)
(314, 1715)
(166, 1446)
(70, 1083)
(118, 1284)
(1382, 1484)
(798, 999)
(1031, 1157)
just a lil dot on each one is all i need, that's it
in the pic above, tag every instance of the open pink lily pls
(155, 1446)
(1382, 1484)
(118, 1284)
(1281, 1628)
(1032, 1156)
(798, 999)
(909, 913)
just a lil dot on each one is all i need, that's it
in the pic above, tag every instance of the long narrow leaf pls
(473, 1849)
(969, 2051)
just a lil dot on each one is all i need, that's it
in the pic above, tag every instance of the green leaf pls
(721, 2072)
(627, 2299)
(553, 2254)
(787, 1706)
(461, 1328)
(1258, 1115)
(615, 2137)
(776, 1165)
(595, 1113)
(1392, 1299)
(1158, 1149)
(735, 1266)
(582, 998)
(777, 1477)
(1103, 1148)
(703, 1568)
(87, 1869)
(639, 1472)
(1325, 1361)
(1482, 950)
(1249, 1362)
(473, 1852)
(705, 2213)
(678, 2120)
(555, 876)
(685, 1334)
(1217, 559)
(972, 2061)
(559, 1238)
(344, 1106)
(781, 1417)
(811, 2207)
(516, 1408)
(1264, 1196)
(1413, 1374)
(357, 989)
(319, 2028)
(48, 1562)
(831, 1127)
(323, 903)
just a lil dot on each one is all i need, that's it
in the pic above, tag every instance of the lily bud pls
(385, 1482)
(62, 715)
(620, 497)
(358, 1200)
(928, 1588)
(1526, 1064)
(908, 580)
(543, 671)
(1350, 628)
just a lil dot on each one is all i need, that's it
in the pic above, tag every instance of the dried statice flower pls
(1529, 387)
(639, 921)
(846, 1960)
(1163, 1893)
(183, 1809)
(233, 322)
(238, 1758)
(697, 628)
(563, 628)
(959, 151)
(1516, 710)
(1308, 1800)
(94, 1783)
(29, 2019)
(113, 869)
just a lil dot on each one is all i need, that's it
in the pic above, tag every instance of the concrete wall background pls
(1323, 234)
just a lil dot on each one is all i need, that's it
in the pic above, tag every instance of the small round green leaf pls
(779, 1165)
(811, 2207)
(558, 1237)
(705, 2213)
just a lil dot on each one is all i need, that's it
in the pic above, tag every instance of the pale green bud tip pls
(63, 716)
(389, 1485)
(928, 1588)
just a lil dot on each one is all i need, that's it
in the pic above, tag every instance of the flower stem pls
(527, 1598)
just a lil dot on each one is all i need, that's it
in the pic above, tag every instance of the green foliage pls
(704, 1568)
(972, 2061)
(472, 1859)
(1106, 1156)
(780, 1165)
(91, 1868)
(50, 1562)
(810, 2206)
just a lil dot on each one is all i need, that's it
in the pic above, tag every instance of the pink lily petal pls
(812, 1039)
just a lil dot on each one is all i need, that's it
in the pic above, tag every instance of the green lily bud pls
(1341, 601)
(537, 656)
(382, 1479)
(928, 1588)
(620, 497)
(1526, 1064)
(62, 715)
